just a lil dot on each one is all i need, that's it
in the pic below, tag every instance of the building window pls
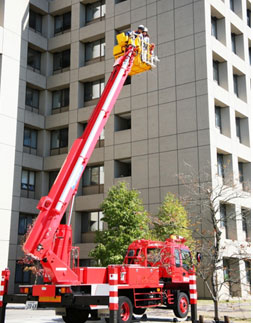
(246, 223)
(94, 51)
(249, 17)
(250, 55)
(25, 221)
(35, 21)
(218, 123)
(233, 42)
(60, 100)
(61, 60)
(128, 80)
(240, 170)
(235, 80)
(119, 1)
(226, 269)
(62, 22)
(34, 59)
(30, 140)
(93, 180)
(27, 183)
(232, 5)
(248, 271)
(214, 27)
(220, 165)
(22, 276)
(95, 11)
(238, 128)
(92, 221)
(101, 140)
(32, 99)
(59, 141)
(122, 168)
(51, 178)
(223, 217)
(216, 71)
(93, 90)
(122, 121)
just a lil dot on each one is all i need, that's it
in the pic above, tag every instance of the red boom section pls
(43, 240)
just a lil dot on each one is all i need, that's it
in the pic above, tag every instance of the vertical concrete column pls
(113, 293)
(193, 296)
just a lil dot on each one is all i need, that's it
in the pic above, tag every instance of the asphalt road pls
(19, 314)
(238, 312)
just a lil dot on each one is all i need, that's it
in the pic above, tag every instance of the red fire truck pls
(153, 273)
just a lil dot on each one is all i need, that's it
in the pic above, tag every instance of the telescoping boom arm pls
(49, 241)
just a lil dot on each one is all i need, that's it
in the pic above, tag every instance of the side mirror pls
(198, 256)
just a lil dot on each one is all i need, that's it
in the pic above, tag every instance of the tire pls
(139, 311)
(181, 308)
(75, 316)
(125, 312)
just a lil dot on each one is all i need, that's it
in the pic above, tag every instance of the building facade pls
(194, 109)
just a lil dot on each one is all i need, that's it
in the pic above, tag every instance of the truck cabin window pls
(153, 256)
(186, 259)
(135, 256)
(177, 258)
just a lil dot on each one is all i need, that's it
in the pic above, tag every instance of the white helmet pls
(145, 29)
(141, 27)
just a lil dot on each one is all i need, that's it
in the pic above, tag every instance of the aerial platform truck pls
(141, 281)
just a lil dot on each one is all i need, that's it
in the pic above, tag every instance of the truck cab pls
(172, 257)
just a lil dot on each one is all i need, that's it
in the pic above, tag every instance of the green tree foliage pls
(171, 219)
(126, 221)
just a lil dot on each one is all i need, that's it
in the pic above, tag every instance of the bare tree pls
(211, 206)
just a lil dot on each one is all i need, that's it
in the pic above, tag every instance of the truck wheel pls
(125, 312)
(75, 316)
(181, 307)
(139, 311)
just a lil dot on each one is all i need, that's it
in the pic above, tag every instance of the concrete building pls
(193, 109)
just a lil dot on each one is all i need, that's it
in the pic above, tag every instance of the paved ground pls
(238, 312)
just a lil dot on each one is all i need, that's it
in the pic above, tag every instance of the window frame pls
(25, 275)
(220, 165)
(88, 91)
(30, 132)
(61, 133)
(64, 100)
(29, 190)
(214, 30)
(233, 42)
(102, 10)
(87, 226)
(32, 92)
(216, 76)
(28, 221)
(235, 83)
(218, 119)
(64, 62)
(101, 55)
(64, 27)
(37, 17)
(238, 128)
(32, 65)
(223, 215)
